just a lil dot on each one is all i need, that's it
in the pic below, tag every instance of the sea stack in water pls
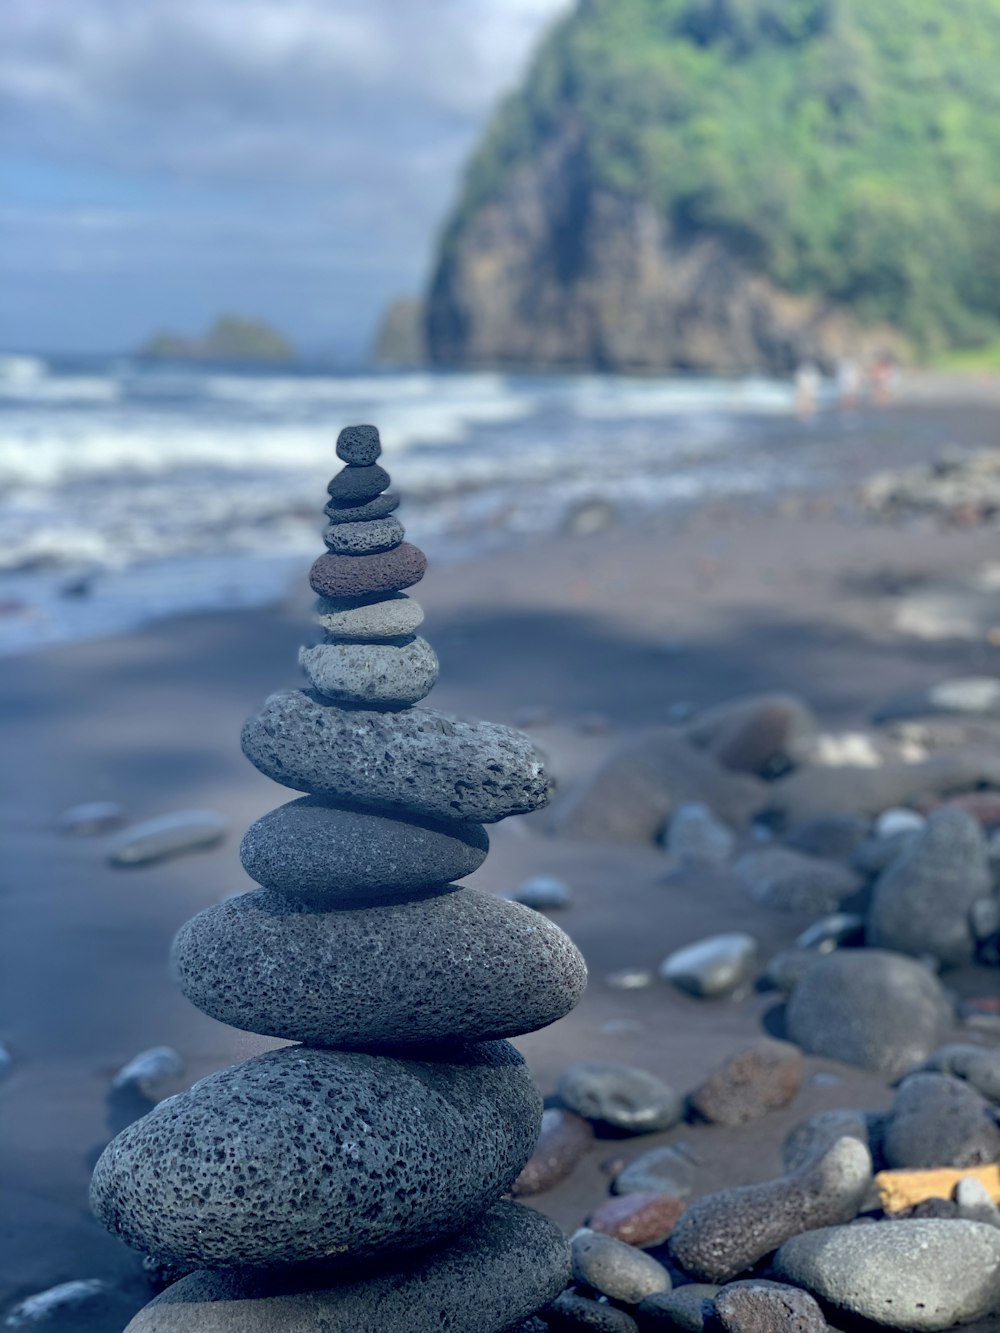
(354, 1178)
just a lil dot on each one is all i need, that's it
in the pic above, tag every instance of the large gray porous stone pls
(923, 901)
(315, 852)
(365, 537)
(454, 964)
(420, 762)
(871, 1008)
(915, 1273)
(304, 1155)
(502, 1268)
(723, 1234)
(371, 673)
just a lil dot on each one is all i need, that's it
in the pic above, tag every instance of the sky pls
(162, 161)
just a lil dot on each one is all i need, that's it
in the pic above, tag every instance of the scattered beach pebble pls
(975, 1203)
(922, 901)
(937, 1120)
(830, 932)
(571, 1311)
(714, 966)
(619, 1096)
(44, 1305)
(562, 1142)
(761, 1078)
(787, 968)
(149, 1069)
(870, 1008)
(166, 836)
(977, 1065)
(696, 836)
(914, 1274)
(722, 1234)
(834, 837)
(810, 1140)
(791, 881)
(545, 893)
(668, 1169)
(92, 817)
(876, 854)
(683, 1310)
(898, 819)
(756, 1306)
(762, 733)
(643, 1219)
(630, 978)
(964, 696)
(615, 1269)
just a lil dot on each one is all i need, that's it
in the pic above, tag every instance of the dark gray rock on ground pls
(503, 1266)
(696, 836)
(685, 1309)
(807, 1142)
(834, 836)
(871, 1008)
(791, 881)
(923, 901)
(419, 761)
(913, 1274)
(937, 1120)
(456, 964)
(619, 1096)
(381, 1155)
(756, 1306)
(573, 1311)
(311, 850)
(976, 1065)
(723, 1234)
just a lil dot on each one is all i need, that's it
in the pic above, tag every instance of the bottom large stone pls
(505, 1267)
(301, 1155)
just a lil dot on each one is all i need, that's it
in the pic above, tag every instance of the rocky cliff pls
(730, 186)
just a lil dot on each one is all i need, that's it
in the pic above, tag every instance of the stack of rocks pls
(351, 1181)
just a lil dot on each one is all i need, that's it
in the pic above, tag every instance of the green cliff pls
(733, 184)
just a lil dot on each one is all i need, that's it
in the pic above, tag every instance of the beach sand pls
(594, 638)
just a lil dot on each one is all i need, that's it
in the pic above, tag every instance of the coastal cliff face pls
(731, 186)
(557, 273)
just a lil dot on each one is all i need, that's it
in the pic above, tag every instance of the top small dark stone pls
(359, 445)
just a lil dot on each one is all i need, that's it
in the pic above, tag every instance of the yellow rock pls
(902, 1189)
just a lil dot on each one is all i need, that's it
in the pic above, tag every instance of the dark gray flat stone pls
(457, 964)
(330, 857)
(303, 1155)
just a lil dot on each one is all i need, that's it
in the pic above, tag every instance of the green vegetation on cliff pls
(848, 149)
(231, 338)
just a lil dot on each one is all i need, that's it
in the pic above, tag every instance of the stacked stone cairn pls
(354, 1180)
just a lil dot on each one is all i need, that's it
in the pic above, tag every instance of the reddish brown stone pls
(761, 1078)
(564, 1139)
(362, 575)
(637, 1219)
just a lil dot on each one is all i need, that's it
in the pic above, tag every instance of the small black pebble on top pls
(359, 445)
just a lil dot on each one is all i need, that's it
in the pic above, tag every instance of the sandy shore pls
(592, 638)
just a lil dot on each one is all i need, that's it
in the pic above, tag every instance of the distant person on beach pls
(848, 384)
(806, 389)
(884, 376)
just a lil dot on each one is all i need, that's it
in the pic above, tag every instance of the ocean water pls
(129, 491)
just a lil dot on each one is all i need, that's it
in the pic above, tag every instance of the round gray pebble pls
(619, 1096)
(454, 964)
(359, 445)
(790, 881)
(365, 537)
(371, 673)
(714, 966)
(809, 1141)
(685, 1308)
(419, 761)
(319, 854)
(867, 1007)
(392, 617)
(504, 1265)
(916, 1274)
(300, 1155)
(937, 1120)
(571, 1312)
(614, 1269)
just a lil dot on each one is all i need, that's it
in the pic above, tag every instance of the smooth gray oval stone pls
(393, 617)
(347, 511)
(168, 835)
(614, 1269)
(505, 1265)
(371, 673)
(867, 1007)
(620, 1096)
(315, 852)
(456, 964)
(92, 817)
(714, 966)
(303, 1155)
(721, 1235)
(419, 761)
(914, 1273)
(365, 537)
